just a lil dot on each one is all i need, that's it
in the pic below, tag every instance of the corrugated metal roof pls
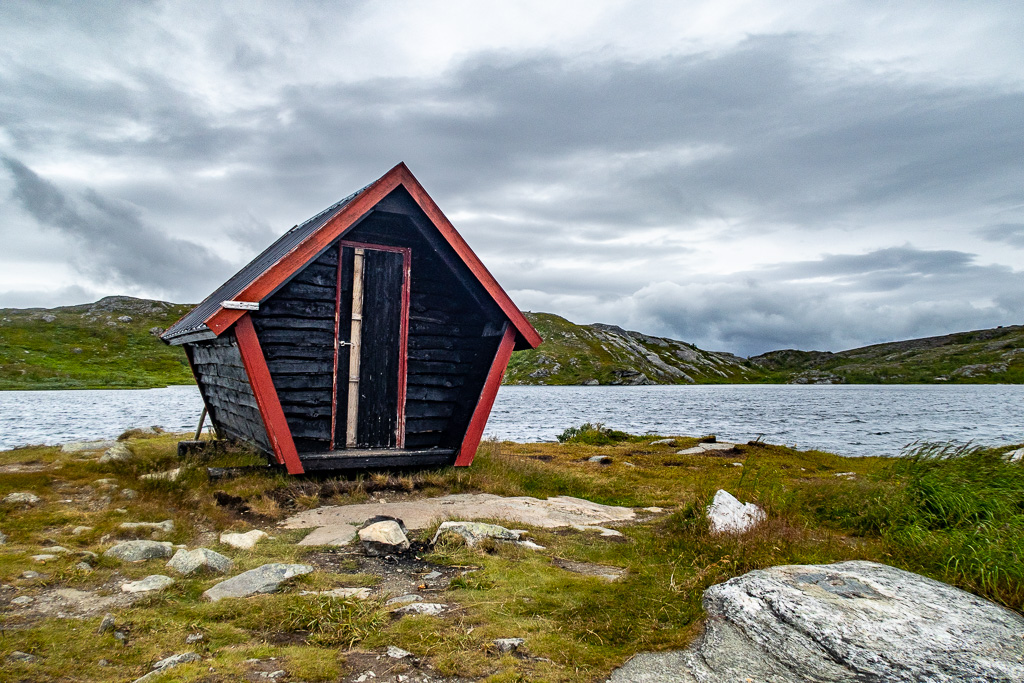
(195, 320)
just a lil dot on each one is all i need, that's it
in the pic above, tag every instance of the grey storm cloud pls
(1008, 233)
(590, 184)
(117, 245)
(875, 297)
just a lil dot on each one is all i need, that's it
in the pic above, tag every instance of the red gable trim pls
(270, 279)
(470, 442)
(255, 363)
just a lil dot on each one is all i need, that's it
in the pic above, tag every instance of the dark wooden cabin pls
(369, 336)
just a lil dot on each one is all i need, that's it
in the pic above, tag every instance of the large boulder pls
(265, 579)
(853, 621)
(384, 538)
(138, 551)
(727, 515)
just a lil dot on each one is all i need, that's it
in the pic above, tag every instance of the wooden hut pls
(369, 336)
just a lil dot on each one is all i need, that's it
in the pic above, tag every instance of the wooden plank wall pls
(448, 352)
(226, 390)
(296, 330)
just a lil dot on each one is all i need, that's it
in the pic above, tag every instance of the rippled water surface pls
(850, 420)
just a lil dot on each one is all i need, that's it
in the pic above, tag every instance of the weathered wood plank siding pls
(296, 331)
(448, 351)
(226, 390)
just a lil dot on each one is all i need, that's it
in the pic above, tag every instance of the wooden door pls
(371, 333)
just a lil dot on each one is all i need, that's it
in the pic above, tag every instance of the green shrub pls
(595, 434)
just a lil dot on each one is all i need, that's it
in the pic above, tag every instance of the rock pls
(403, 600)
(246, 541)
(56, 549)
(265, 579)
(600, 459)
(79, 530)
(166, 526)
(853, 621)
(19, 656)
(1015, 456)
(82, 446)
(44, 558)
(703, 448)
(591, 383)
(193, 638)
(604, 531)
(22, 498)
(83, 567)
(108, 623)
(137, 551)
(116, 453)
(429, 608)
(3, 538)
(105, 484)
(334, 523)
(156, 331)
(663, 442)
(358, 593)
(474, 532)
(384, 538)
(169, 475)
(30, 575)
(432, 576)
(397, 652)
(169, 663)
(728, 515)
(654, 509)
(129, 494)
(600, 571)
(186, 562)
(507, 645)
(155, 582)
(22, 600)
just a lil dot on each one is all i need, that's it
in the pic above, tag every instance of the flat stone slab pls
(155, 582)
(333, 523)
(265, 579)
(599, 571)
(703, 448)
(852, 621)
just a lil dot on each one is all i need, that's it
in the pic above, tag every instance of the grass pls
(953, 514)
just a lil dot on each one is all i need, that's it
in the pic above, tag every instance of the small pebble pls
(194, 638)
(107, 624)
(30, 575)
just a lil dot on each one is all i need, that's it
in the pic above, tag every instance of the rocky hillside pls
(111, 343)
(978, 357)
(606, 354)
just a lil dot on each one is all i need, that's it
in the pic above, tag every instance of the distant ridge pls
(112, 343)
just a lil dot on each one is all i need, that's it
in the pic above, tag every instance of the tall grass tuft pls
(960, 516)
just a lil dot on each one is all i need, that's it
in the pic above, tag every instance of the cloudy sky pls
(742, 175)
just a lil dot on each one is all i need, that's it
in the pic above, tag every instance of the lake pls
(844, 419)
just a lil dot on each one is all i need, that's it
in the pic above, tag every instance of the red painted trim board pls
(263, 285)
(475, 432)
(266, 395)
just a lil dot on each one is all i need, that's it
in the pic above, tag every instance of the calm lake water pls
(849, 420)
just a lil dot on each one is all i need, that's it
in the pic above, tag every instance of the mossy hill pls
(606, 354)
(978, 357)
(114, 343)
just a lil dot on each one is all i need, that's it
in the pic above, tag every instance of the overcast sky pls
(745, 176)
